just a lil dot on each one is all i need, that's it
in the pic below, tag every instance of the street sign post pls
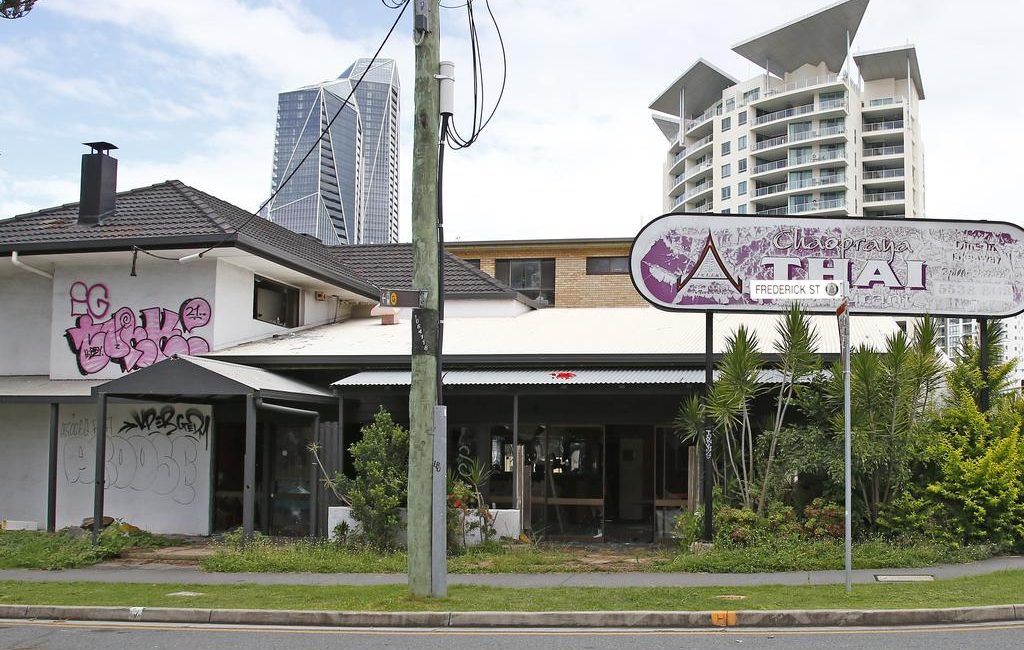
(415, 298)
(843, 314)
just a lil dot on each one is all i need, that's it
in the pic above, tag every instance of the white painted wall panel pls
(24, 439)
(158, 466)
(25, 322)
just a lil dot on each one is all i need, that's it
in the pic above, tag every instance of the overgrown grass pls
(313, 555)
(994, 589)
(21, 549)
(788, 554)
(319, 556)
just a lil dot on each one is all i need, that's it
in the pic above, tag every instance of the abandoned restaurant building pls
(216, 345)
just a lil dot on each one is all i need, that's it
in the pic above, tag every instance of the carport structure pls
(208, 381)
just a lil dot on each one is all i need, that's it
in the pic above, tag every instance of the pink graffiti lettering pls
(92, 300)
(128, 341)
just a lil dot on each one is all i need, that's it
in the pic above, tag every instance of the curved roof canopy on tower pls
(890, 63)
(702, 85)
(816, 37)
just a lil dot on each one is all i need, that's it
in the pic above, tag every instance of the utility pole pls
(425, 320)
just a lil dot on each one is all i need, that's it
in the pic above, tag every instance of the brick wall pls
(573, 287)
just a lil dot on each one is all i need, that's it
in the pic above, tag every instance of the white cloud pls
(572, 150)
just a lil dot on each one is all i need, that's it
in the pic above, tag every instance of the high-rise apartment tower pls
(820, 132)
(346, 192)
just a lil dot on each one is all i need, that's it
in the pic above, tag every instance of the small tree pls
(381, 461)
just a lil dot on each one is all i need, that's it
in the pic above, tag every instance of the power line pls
(479, 122)
(255, 215)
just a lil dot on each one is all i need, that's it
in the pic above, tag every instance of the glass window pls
(726, 123)
(534, 278)
(741, 143)
(726, 148)
(275, 303)
(742, 209)
(607, 265)
(741, 188)
(741, 166)
(730, 104)
(741, 118)
(726, 170)
(726, 211)
(475, 262)
(751, 95)
(726, 192)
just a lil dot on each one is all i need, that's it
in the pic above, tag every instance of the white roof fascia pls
(816, 37)
(890, 63)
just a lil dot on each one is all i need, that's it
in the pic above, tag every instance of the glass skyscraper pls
(346, 192)
(377, 97)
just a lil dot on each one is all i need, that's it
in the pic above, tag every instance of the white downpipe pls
(30, 269)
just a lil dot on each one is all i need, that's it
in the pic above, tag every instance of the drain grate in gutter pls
(904, 578)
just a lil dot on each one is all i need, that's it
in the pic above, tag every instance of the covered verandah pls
(584, 454)
(256, 395)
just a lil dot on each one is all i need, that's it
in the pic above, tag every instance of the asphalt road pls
(25, 635)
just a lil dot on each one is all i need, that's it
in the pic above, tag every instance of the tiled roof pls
(391, 266)
(172, 214)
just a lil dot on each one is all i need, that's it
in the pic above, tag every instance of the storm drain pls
(904, 578)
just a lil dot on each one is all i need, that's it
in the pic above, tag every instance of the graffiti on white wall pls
(163, 451)
(101, 336)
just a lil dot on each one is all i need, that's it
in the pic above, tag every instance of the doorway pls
(629, 493)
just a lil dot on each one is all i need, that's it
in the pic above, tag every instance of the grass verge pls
(999, 588)
(319, 556)
(815, 555)
(21, 549)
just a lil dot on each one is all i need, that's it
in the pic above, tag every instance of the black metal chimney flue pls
(99, 184)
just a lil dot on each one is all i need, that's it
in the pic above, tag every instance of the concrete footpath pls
(167, 574)
(156, 573)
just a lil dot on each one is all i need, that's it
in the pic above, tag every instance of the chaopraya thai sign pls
(691, 262)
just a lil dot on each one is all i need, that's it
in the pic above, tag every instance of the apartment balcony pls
(782, 189)
(830, 132)
(875, 199)
(823, 208)
(883, 179)
(884, 107)
(888, 125)
(882, 152)
(779, 169)
(785, 115)
(690, 150)
(698, 125)
(704, 207)
(689, 174)
(696, 191)
(780, 88)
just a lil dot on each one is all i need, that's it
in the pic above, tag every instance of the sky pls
(188, 90)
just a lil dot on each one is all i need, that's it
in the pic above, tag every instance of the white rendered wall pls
(24, 437)
(90, 301)
(474, 309)
(25, 322)
(234, 295)
(158, 466)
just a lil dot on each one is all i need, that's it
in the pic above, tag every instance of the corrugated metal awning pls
(565, 377)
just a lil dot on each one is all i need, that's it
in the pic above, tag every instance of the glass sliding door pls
(567, 481)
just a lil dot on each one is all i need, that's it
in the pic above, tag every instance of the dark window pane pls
(607, 265)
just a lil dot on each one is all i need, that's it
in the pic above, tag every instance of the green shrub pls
(824, 520)
(381, 461)
(687, 529)
(977, 475)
